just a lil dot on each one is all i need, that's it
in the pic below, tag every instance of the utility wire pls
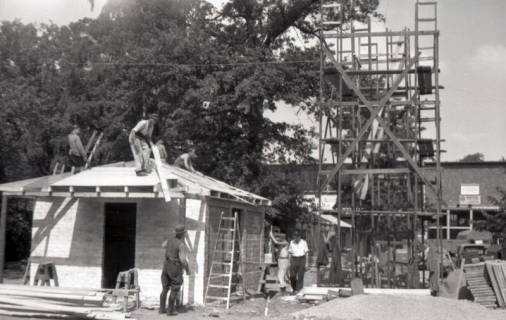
(157, 64)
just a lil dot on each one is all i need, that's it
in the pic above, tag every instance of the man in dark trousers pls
(77, 154)
(299, 261)
(140, 141)
(175, 261)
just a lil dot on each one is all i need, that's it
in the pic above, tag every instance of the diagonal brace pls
(374, 110)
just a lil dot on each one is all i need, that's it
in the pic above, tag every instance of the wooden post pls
(3, 221)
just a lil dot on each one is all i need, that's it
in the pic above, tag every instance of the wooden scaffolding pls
(379, 123)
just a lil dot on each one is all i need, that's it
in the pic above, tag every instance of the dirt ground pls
(252, 309)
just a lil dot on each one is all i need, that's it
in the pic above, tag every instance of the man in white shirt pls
(298, 251)
(140, 140)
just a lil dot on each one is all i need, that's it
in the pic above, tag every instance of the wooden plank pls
(158, 164)
(48, 306)
(372, 171)
(27, 314)
(500, 279)
(3, 221)
(495, 285)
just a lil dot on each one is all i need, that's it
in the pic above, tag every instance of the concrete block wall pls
(70, 233)
(251, 223)
(73, 241)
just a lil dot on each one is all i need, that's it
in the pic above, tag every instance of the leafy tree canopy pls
(209, 73)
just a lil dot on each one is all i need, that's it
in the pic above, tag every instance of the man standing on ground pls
(140, 140)
(185, 160)
(283, 262)
(175, 261)
(77, 154)
(298, 251)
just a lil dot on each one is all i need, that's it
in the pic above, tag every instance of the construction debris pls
(52, 302)
(398, 307)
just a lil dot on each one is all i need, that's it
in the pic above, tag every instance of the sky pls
(472, 63)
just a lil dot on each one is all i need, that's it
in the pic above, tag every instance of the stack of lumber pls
(497, 273)
(478, 283)
(54, 302)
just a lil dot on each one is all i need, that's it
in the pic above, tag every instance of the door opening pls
(119, 241)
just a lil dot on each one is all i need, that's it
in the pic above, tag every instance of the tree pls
(496, 223)
(475, 157)
(169, 56)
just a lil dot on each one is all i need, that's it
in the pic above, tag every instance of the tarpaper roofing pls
(121, 178)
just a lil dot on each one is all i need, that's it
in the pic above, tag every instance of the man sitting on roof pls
(140, 141)
(184, 161)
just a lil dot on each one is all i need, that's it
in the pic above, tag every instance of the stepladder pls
(224, 283)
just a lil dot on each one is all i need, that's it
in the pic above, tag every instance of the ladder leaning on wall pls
(225, 274)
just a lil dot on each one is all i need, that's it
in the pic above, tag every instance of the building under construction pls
(379, 126)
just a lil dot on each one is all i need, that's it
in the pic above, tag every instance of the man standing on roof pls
(140, 140)
(77, 154)
(184, 161)
(175, 261)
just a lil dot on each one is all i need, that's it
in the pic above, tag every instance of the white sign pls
(470, 189)
(328, 201)
(474, 200)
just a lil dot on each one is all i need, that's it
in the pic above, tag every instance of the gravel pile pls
(396, 307)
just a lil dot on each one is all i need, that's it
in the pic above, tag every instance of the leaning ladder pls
(226, 269)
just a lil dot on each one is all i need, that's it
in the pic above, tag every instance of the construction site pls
(384, 241)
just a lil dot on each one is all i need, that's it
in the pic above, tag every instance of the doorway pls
(119, 241)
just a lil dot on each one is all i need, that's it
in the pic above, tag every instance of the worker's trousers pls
(141, 152)
(283, 266)
(172, 278)
(297, 270)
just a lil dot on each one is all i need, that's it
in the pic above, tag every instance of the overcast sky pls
(472, 54)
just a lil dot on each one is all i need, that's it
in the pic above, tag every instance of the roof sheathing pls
(121, 181)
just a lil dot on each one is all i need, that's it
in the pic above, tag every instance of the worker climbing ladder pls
(225, 274)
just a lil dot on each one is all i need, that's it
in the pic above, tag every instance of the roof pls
(332, 220)
(120, 180)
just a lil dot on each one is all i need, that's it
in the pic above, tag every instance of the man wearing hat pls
(175, 261)
(140, 140)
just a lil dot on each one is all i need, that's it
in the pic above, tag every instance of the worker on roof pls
(175, 261)
(140, 141)
(77, 154)
(185, 160)
(161, 150)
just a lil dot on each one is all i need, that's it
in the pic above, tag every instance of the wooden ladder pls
(225, 273)
(94, 149)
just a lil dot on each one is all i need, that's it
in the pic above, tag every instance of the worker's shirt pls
(76, 146)
(298, 249)
(175, 252)
(144, 127)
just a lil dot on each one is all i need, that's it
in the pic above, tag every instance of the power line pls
(159, 64)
